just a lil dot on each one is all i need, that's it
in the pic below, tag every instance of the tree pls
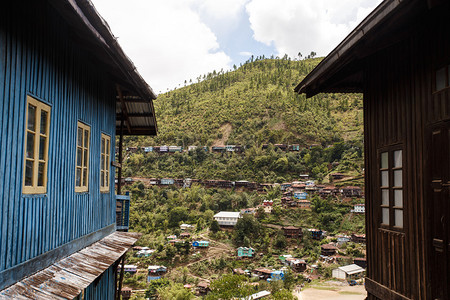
(177, 215)
(175, 291)
(215, 227)
(230, 287)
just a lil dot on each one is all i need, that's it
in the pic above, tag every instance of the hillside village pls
(274, 191)
(200, 253)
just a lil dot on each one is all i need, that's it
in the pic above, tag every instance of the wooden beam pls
(382, 292)
(124, 108)
(131, 115)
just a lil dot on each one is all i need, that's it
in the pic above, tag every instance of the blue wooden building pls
(66, 90)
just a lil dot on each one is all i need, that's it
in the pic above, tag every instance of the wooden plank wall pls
(37, 58)
(398, 105)
(389, 109)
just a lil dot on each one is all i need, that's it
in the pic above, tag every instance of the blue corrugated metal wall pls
(104, 288)
(37, 58)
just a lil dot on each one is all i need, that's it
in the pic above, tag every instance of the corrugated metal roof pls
(68, 277)
(227, 214)
(352, 269)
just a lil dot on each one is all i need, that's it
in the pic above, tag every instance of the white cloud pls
(166, 40)
(228, 9)
(293, 26)
(245, 53)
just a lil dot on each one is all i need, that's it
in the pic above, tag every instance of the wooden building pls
(66, 90)
(328, 249)
(399, 57)
(292, 232)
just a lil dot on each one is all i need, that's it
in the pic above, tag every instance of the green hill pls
(252, 105)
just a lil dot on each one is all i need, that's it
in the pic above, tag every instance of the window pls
(36, 147)
(82, 159)
(104, 163)
(391, 185)
(442, 78)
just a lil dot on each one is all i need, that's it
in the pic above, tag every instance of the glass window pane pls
(44, 115)
(103, 145)
(85, 162)
(31, 117)
(41, 169)
(102, 167)
(398, 198)
(384, 178)
(78, 177)
(42, 144)
(384, 160)
(398, 159)
(102, 179)
(385, 197)
(29, 173)
(398, 178)
(84, 177)
(79, 156)
(80, 137)
(107, 147)
(107, 179)
(440, 79)
(30, 145)
(398, 218)
(385, 216)
(86, 138)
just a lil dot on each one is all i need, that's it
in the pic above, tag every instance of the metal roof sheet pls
(66, 278)
(227, 214)
(352, 269)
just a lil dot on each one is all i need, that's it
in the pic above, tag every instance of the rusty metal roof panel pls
(68, 277)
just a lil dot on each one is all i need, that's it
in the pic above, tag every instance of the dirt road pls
(333, 293)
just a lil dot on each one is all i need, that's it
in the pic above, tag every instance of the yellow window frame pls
(33, 159)
(82, 157)
(105, 156)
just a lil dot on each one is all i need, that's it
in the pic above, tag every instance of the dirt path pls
(225, 129)
(332, 293)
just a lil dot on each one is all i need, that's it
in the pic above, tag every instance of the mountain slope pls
(258, 102)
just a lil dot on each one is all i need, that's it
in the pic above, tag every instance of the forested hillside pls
(253, 105)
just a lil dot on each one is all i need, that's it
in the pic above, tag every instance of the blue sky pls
(171, 41)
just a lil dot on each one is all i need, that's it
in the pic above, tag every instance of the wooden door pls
(438, 206)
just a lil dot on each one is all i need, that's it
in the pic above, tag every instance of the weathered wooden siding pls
(39, 59)
(399, 104)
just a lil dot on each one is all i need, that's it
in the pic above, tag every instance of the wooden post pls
(119, 175)
(119, 291)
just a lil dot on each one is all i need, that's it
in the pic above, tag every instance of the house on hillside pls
(328, 249)
(186, 227)
(358, 238)
(200, 244)
(155, 272)
(359, 208)
(292, 232)
(351, 191)
(245, 252)
(304, 204)
(203, 288)
(348, 272)
(227, 218)
(399, 57)
(316, 234)
(67, 90)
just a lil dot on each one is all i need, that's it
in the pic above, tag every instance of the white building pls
(360, 208)
(348, 272)
(227, 218)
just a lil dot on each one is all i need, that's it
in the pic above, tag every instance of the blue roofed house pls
(66, 90)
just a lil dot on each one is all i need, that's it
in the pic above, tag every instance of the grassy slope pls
(258, 103)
